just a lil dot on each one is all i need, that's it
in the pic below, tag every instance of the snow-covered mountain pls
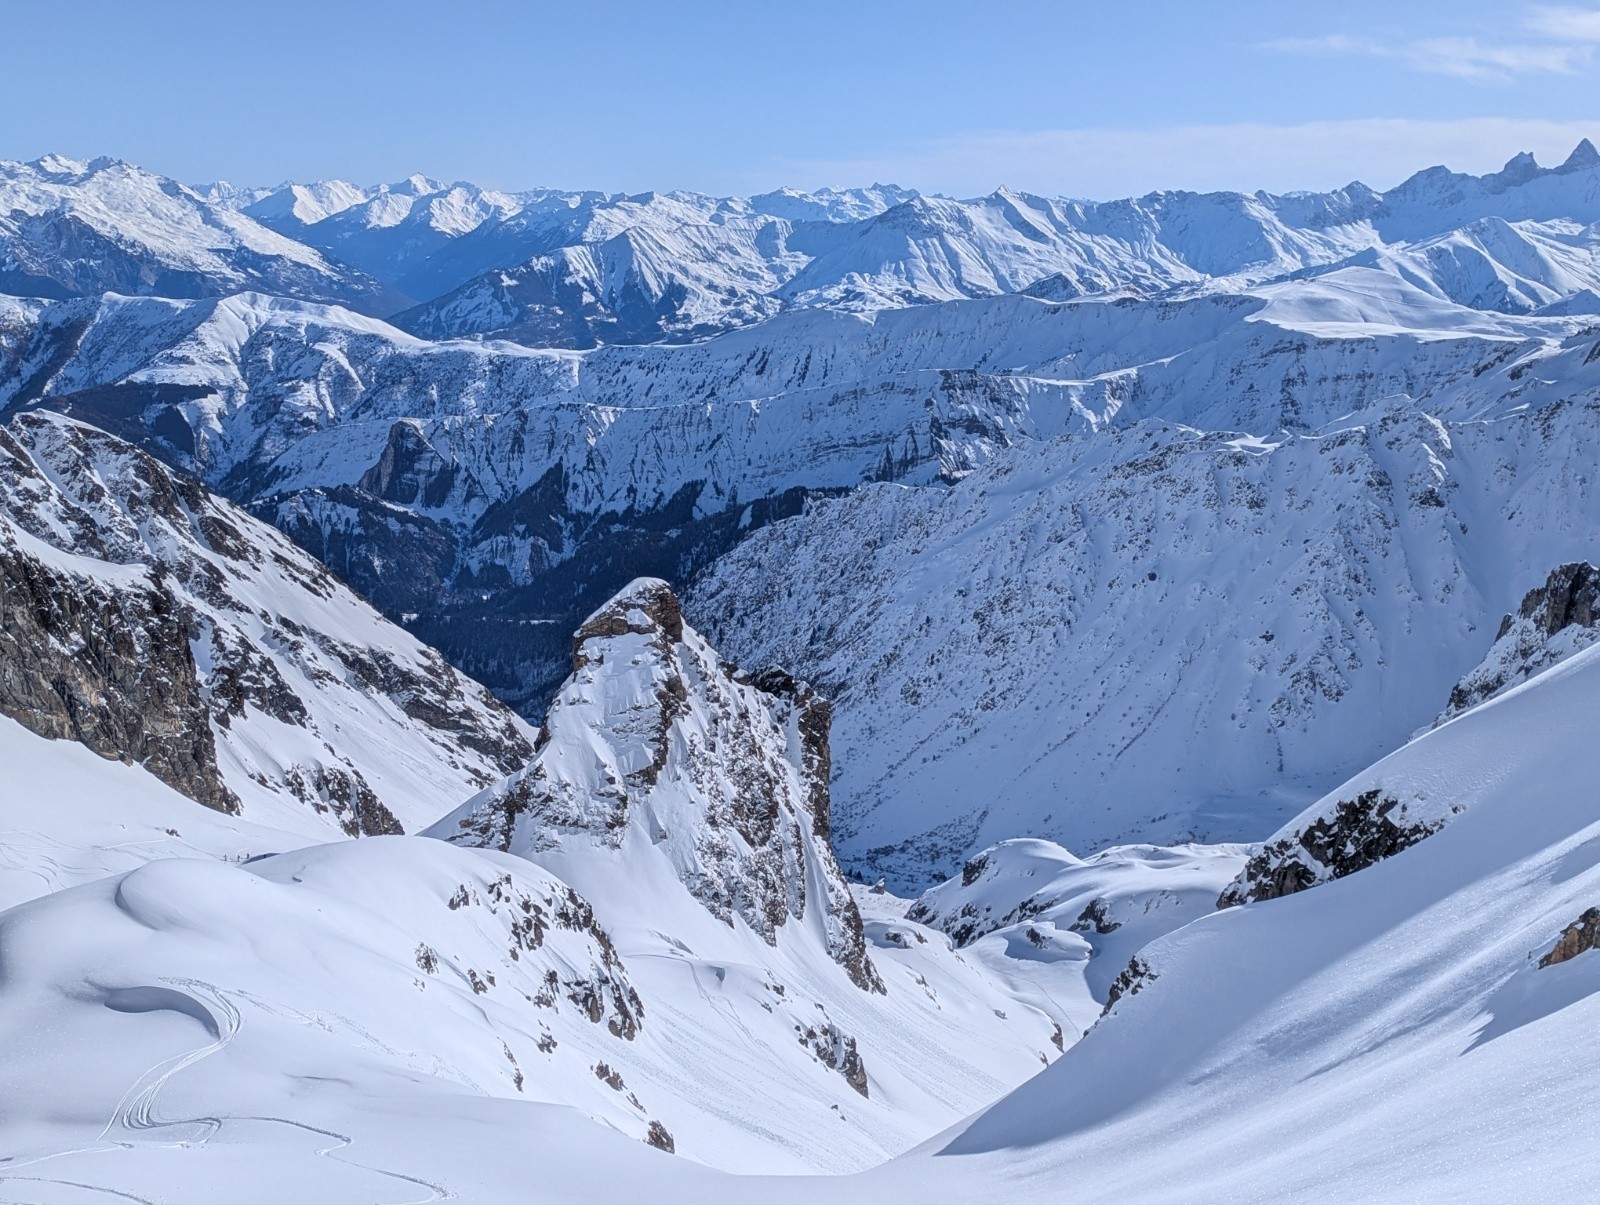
(389, 231)
(682, 266)
(1075, 527)
(1247, 1053)
(557, 268)
(159, 625)
(74, 229)
(662, 770)
(1426, 1012)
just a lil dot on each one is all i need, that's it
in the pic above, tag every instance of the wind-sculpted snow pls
(368, 960)
(1031, 893)
(154, 622)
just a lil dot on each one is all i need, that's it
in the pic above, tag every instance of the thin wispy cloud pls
(1247, 155)
(1549, 40)
(1561, 21)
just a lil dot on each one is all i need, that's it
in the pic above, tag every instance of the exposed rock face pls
(1554, 621)
(151, 621)
(533, 909)
(655, 742)
(108, 666)
(1094, 917)
(658, 1137)
(1577, 938)
(1349, 836)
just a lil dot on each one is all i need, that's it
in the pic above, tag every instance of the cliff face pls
(656, 748)
(107, 665)
(157, 624)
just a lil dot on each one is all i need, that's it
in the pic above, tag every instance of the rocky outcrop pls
(658, 1137)
(1095, 918)
(1554, 621)
(153, 622)
(1348, 836)
(412, 472)
(1581, 936)
(836, 1050)
(655, 742)
(1130, 981)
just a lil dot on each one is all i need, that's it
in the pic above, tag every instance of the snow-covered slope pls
(661, 770)
(1344, 451)
(1400, 1034)
(70, 816)
(72, 229)
(1340, 836)
(638, 286)
(1417, 1030)
(1027, 892)
(1492, 264)
(389, 231)
(157, 624)
(491, 494)
(688, 801)
(290, 206)
(719, 995)
(1161, 545)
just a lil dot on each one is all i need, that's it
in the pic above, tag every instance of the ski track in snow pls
(136, 1113)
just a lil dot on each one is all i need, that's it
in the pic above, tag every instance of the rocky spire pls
(1583, 157)
(655, 748)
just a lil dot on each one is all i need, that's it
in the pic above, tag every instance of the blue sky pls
(1076, 98)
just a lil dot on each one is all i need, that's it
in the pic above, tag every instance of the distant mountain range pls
(553, 268)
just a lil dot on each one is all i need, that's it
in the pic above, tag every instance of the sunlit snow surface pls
(1388, 1035)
